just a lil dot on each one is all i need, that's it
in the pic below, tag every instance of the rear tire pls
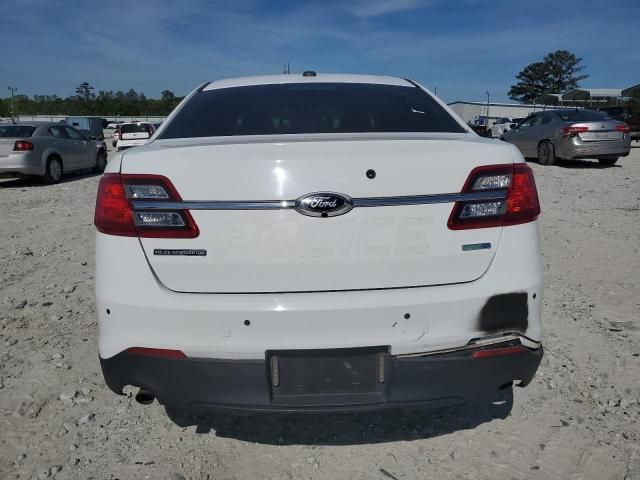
(101, 161)
(546, 153)
(53, 172)
(608, 161)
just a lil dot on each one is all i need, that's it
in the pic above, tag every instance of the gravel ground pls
(578, 419)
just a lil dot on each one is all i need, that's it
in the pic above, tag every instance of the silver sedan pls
(48, 150)
(570, 134)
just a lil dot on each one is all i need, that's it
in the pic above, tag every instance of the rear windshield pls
(309, 108)
(581, 115)
(16, 131)
(134, 128)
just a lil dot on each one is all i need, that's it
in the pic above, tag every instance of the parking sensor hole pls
(407, 316)
(247, 323)
(108, 312)
(534, 295)
(371, 174)
(324, 215)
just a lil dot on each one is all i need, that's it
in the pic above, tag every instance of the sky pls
(466, 47)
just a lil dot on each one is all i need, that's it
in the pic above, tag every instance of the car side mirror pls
(513, 126)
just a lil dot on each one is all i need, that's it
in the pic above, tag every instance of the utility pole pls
(435, 89)
(286, 70)
(488, 101)
(13, 91)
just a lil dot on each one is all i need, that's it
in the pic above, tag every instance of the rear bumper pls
(246, 385)
(572, 148)
(20, 164)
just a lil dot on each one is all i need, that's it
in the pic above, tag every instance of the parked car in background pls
(571, 134)
(134, 134)
(91, 124)
(116, 124)
(503, 125)
(481, 130)
(48, 150)
(626, 115)
(115, 136)
(319, 243)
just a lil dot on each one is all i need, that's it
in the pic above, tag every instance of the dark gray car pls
(570, 134)
(48, 150)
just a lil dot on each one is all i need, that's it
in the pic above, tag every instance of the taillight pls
(624, 128)
(22, 146)
(158, 352)
(116, 212)
(515, 202)
(572, 131)
(498, 352)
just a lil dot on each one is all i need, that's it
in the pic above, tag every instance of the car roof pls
(37, 124)
(300, 78)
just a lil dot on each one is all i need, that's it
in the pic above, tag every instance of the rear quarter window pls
(309, 108)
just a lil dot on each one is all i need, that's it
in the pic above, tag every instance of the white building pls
(479, 112)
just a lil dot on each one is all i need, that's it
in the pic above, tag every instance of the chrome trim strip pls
(428, 199)
(214, 205)
(284, 204)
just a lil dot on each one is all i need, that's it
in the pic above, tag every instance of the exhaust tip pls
(145, 398)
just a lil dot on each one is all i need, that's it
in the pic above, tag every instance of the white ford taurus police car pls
(317, 242)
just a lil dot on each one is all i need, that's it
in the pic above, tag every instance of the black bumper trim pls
(245, 385)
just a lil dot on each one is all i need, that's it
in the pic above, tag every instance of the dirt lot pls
(578, 419)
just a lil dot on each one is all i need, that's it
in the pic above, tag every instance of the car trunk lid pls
(282, 250)
(602, 131)
(6, 146)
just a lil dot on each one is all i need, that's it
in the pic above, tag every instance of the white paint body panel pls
(284, 251)
(144, 312)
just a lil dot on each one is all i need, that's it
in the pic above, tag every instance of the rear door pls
(522, 136)
(81, 153)
(64, 145)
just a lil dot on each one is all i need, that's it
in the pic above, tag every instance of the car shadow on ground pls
(348, 429)
(24, 182)
(578, 164)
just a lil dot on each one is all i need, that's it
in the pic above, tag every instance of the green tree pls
(85, 92)
(558, 72)
(168, 101)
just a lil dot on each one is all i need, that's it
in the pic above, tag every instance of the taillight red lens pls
(572, 130)
(498, 352)
(116, 214)
(623, 128)
(522, 197)
(520, 204)
(158, 352)
(22, 146)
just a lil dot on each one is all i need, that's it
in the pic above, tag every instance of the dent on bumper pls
(201, 383)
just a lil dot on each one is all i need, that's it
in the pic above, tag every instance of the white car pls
(502, 126)
(317, 242)
(113, 125)
(133, 134)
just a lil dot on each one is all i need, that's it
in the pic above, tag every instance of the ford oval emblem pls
(323, 204)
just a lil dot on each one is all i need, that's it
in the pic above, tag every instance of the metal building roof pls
(631, 91)
(588, 93)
